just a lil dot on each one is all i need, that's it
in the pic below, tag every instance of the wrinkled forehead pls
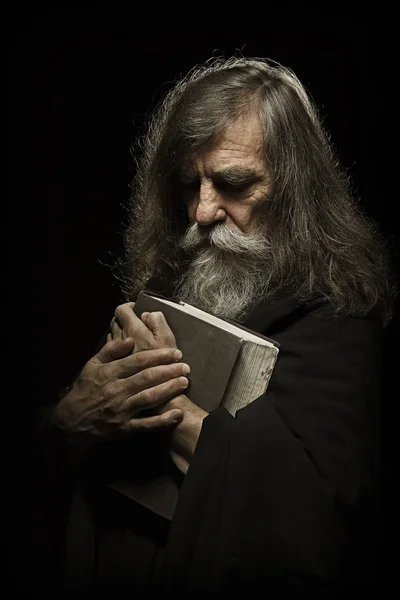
(238, 149)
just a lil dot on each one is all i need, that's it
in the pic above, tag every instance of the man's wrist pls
(187, 432)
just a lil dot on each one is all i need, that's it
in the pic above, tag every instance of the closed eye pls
(233, 188)
(225, 187)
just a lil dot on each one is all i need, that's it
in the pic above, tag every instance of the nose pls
(210, 207)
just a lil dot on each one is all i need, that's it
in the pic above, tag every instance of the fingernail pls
(185, 369)
(183, 381)
(177, 417)
(178, 355)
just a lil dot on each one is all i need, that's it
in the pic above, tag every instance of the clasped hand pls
(124, 382)
(153, 331)
(135, 383)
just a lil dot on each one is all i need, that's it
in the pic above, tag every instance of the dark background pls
(81, 81)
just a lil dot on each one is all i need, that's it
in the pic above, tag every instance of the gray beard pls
(228, 272)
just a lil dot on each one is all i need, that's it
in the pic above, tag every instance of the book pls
(231, 366)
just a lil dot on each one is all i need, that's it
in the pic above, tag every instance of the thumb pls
(113, 350)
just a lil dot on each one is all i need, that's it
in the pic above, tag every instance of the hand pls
(147, 336)
(185, 435)
(113, 389)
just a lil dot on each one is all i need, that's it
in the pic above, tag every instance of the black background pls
(81, 81)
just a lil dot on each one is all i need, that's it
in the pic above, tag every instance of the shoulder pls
(286, 313)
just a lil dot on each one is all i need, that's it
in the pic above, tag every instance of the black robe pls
(282, 495)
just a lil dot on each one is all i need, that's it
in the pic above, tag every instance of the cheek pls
(241, 215)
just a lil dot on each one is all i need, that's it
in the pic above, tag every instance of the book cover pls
(214, 349)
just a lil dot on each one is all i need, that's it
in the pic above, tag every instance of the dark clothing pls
(282, 495)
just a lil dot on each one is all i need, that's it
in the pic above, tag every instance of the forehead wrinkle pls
(241, 141)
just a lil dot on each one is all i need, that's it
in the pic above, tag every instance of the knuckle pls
(117, 407)
(177, 370)
(136, 403)
(147, 376)
(140, 360)
(171, 371)
(108, 412)
(120, 311)
(108, 346)
(149, 395)
(108, 393)
(104, 374)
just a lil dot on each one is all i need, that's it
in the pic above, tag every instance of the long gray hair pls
(321, 242)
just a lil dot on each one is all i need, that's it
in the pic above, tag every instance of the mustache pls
(224, 238)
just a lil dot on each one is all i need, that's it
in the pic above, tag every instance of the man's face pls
(225, 182)
(229, 251)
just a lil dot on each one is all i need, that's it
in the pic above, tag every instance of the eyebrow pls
(236, 175)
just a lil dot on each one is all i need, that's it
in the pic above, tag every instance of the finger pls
(130, 365)
(109, 337)
(159, 327)
(154, 396)
(131, 324)
(129, 305)
(152, 376)
(113, 350)
(116, 330)
(168, 419)
(147, 379)
(144, 317)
